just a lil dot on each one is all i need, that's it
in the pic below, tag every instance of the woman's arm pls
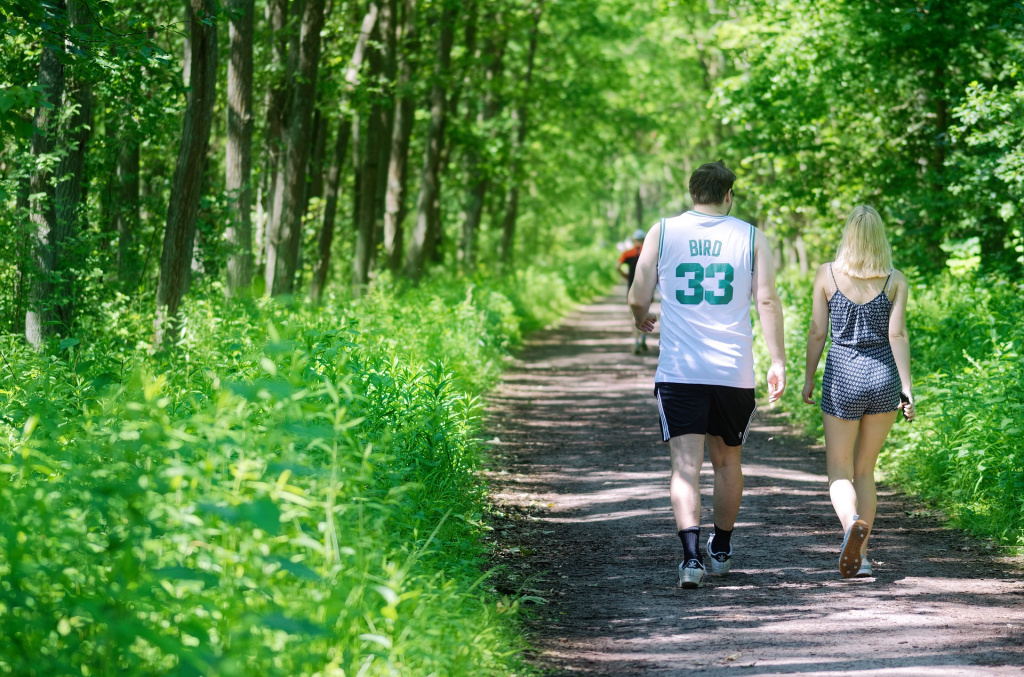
(817, 332)
(900, 341)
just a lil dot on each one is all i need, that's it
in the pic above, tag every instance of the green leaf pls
(294, 626)
(297, 569)
(262, 512)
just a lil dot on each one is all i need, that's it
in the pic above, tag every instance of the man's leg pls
(687, 453)
(687, 457)
(728, 482)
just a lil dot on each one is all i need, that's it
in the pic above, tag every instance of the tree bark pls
(21, 252)
(276, 98)
(238, 151)
(179, 231)
(127, 210)
(43, 215)
(423, 239)
(386, 111)
(326, 237)
(334, 174)
(401, 134)
(317, 154)
(494, 50)
(285, 226)
(508, 226)
(71, 184)
(366, 156)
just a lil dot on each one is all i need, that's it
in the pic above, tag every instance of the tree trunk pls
(127, 211)
(70, 179)
(423, 239)
(494, 50)
(179, 231)
(401, 134)
(317, 154)
(336, 171)
(638, 207)
(21, 252)
(367, 156)
(508, 227)
(326, 238)
(285, 226)
(277, 93)
(389, 44)
(238, 151)
(43, 210)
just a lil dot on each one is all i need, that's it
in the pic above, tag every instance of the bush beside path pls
(584, 523)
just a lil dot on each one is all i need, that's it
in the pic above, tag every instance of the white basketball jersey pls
(705, 267)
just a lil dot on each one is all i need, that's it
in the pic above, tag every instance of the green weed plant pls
(288, 491)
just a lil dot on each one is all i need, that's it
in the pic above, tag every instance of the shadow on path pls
(578, 448)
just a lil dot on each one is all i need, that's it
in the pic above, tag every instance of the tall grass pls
(288, 491)
(965, 451)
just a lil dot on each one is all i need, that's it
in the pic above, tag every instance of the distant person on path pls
(709, 266)
(628, 261)
(867, 369)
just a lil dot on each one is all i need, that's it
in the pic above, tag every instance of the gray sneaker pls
(720, 561)
(865, 569)
(849, 558)
(691, 574)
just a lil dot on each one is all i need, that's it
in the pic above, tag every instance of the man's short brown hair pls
(710, 183)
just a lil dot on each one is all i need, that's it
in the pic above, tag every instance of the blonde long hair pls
(864, 251)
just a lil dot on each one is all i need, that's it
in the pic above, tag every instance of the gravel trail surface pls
(580, 478)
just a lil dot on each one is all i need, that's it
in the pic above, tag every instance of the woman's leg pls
(874, 428)
(840, 444)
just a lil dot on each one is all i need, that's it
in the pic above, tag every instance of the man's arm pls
(641, 294)
(769, 310)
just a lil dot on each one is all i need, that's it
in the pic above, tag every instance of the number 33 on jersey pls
(705, 268)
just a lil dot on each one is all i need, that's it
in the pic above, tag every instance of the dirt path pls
(581, 482)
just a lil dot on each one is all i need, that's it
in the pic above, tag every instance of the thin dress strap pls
(835, 285)
(888, 282)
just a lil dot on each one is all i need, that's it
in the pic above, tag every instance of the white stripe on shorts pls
(664, 421)
(746, 431)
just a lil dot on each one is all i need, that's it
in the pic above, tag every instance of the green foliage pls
(289, 490)
(965, 452)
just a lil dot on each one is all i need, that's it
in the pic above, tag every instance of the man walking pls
(628, 261)
(710, 267)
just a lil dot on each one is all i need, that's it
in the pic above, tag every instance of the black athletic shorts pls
(699, 409)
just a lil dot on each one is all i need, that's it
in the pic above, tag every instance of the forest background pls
(259, 260)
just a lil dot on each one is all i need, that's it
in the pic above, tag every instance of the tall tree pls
(508, 226)
(238, 151)
(43, 211)
(338, 160)
(285, 226)
(422, 237)
(367, 161)
(386, 111)
(401, 134)
(276, 100)
(127, 207)
(60, 208)
(180, 228)
(477, 169)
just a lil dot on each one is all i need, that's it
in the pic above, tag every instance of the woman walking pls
(867, 369)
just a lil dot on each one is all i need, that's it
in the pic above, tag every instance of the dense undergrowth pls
(965, 451)
(288, 491)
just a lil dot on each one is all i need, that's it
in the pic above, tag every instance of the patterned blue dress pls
(860, 371)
